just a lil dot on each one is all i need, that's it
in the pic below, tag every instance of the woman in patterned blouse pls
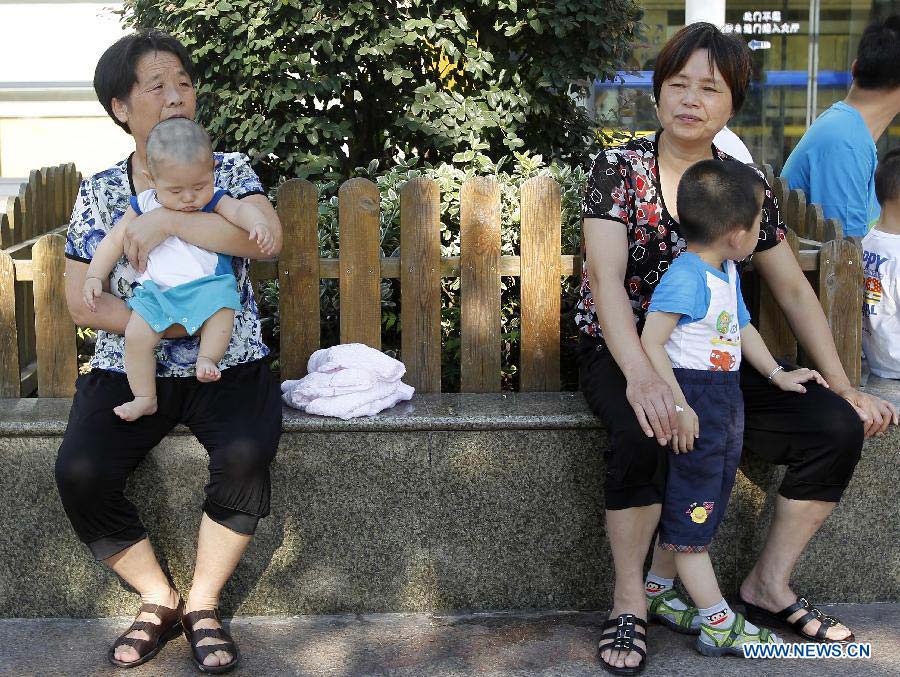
(142, 79)
(631, 234)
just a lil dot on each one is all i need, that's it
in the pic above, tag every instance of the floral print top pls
(623, 186)
(102, 200)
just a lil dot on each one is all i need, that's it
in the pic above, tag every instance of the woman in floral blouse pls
(142, 79)
(631, 235)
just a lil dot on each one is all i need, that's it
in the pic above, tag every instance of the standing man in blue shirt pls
(834, 163)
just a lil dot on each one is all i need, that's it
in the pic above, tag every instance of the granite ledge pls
(31, 417)
(434, 412)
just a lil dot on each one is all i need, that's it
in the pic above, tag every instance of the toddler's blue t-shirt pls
(683, 290)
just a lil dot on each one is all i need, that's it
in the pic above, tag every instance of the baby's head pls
(180, 164)
(887, 185)
(720, 207)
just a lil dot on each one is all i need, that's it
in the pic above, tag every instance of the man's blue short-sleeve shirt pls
(834, 165)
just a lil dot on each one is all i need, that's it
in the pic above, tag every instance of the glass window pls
(774, 115)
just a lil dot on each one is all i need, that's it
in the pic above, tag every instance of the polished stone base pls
(450, 502)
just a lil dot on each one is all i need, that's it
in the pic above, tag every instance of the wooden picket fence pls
(832, 264)
(32, 305)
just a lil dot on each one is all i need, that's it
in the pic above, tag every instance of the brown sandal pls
(168, 628)
(226, 643)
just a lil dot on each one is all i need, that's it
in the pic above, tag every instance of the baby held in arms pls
(183, 284)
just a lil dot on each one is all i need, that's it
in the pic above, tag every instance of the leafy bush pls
(317, 88)
(511, 173)
(397, 89)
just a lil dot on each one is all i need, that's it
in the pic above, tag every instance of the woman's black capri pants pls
(817, 435)
(237, 419)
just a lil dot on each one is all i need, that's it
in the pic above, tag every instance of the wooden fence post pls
(37, 206)
(480, 285)
(841, 296)
(50, 195)
(815, 222)
(73, 181)
(420, 283)
(25, 200)
(833, 230)
(359, 215)
(56, 350)
(9, 350)
(19, 227)
(5, 231)
(795, 215)
(298, 276)
(541, 238)
(773, 325)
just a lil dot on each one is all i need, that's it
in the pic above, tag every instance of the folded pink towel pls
(380, 397)
(347, 381)
(291, 395)
(356, 356)
(338, 382)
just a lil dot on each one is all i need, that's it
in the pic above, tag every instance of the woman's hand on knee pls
(875, 413)
(653, 403)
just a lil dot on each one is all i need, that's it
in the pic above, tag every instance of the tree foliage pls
(317, 88)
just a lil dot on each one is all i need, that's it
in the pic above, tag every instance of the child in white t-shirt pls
(697, 330)
(881, 267)
(183, 284)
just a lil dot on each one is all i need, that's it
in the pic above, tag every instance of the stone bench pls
(452, 501)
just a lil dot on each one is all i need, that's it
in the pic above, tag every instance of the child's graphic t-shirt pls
(708, 335)
(881, 303)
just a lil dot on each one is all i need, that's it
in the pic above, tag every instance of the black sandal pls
(623, 640)
(168, 628)
(759, 616)
(226, 643)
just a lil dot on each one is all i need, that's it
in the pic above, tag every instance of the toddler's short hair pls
(716, 197)
(178, 139)
(887, 177)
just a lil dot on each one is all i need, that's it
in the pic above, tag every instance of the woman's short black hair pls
(716, 197)
(727, 52)
(116, 70)
(887, 178)
(878, 55)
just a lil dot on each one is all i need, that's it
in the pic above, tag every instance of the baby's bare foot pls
(139, 406)
(207, 371)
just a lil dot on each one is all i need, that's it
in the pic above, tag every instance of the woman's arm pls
(111, 313)
(780, 270)
(210, 231)
(606, 245)
(657, 330)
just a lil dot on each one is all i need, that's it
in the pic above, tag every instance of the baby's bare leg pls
(140, 367)
(215, 335)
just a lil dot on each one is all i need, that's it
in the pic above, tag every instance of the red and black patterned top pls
(623, 186)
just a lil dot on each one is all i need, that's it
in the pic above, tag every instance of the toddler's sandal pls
(715, 642)
(685, 621)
